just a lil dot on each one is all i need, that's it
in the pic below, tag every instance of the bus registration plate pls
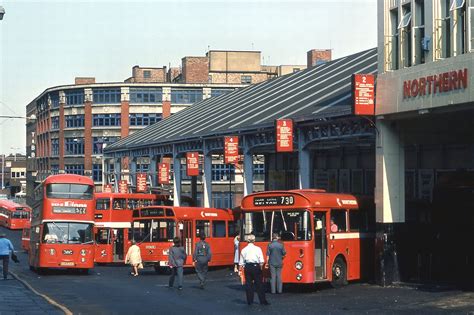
(67, 263)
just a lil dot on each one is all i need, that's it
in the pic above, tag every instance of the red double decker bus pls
(13, 215)
(113, 217)
(62, 223)
(323, 233)
(153, 228)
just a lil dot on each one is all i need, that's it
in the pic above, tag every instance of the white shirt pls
(251, 254)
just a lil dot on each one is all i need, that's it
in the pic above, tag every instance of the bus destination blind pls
(274, 201)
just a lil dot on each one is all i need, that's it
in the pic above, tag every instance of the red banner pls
(363, 87)
(231, 150)
(141, 182)
(192, 163)
(284, 135)
(164, 173)
(123, 186)
(108, 188)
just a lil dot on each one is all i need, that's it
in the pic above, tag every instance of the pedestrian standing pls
(6, 248)
(202, 257)
(236, 253)
(134, 258)
(251, 258)
(176, 260)
(275, 254)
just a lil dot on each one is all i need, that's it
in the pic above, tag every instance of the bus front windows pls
(291, 225)
(69, 191)
(67, 233)
(154, 230)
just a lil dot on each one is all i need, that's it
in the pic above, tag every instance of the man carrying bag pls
(6, 247)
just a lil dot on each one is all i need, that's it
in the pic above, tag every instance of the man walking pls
(202, 257)
(251, 258)
(6, 247)
(176, 261)
(275, 254)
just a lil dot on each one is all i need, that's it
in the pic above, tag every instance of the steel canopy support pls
(248, 168)
(153, 160)
(207, 176)
(118, 172)
(304, 161)
(176, 177)
(133, 171)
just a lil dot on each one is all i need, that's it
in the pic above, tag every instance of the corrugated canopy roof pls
(315, 92)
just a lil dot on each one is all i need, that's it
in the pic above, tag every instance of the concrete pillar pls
(117, 171)
(304, 162)
(176, 178)
(389, 199)
(248, 168)
(207, 178)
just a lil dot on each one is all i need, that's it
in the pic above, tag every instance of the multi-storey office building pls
(424, 159)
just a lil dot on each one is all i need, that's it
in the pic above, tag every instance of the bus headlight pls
(299, 277)
(52, 251)
(83, 252)
(298, 265)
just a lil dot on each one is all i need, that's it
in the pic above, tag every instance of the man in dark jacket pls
(176, 261)
(202, 257)
(275, 254)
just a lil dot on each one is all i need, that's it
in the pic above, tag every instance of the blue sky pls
(49, 43)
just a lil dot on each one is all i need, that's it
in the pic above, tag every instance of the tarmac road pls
(111, 290)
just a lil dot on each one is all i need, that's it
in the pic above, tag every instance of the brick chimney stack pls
(318, 56)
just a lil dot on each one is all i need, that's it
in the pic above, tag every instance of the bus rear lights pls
(83, 252)
(298, 265)
(299, 277)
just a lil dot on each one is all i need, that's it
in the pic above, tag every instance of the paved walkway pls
(16, 298)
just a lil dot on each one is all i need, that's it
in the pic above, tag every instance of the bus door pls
(320, 245)
(187, 237)
(118, 244)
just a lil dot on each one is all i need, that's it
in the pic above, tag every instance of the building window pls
(54, 99)
(420, 42)
(55, 123)
(220, 172)
(443, 30)
(74, 121)
(100, 120)
(106, 96)
(97, 172)
(404, 28)
(99, 143)
(144, 119)
(185, 96)
(54, 169)
(258, 172)
(221, 200)
(145, 95)
(246, 79)
(217, 92)
(143, 168)
(74, 146)
(77, 169)
(391, 42)
(55, 147)
(74, 97)
(146, 74)
(458, 11)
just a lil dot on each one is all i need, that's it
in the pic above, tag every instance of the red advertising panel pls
(141, 182)
(231, 150)
(108, 188)
(164, 173)
(123, 186)
(284, 135)
(363, 87)
(192, 163)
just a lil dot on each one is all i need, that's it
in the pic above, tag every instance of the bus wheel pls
(339, 273)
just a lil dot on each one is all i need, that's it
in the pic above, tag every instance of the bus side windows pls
(120, 204)
(338, 221)
(203, 227)
(218, 228)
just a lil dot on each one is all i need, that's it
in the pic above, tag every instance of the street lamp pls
(2, 12)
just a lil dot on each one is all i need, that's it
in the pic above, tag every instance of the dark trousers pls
(253, 277)
(275, 280)
(6, 259)
(201, 271)
(176, 271)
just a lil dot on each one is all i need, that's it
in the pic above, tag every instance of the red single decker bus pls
(113, 217)
(62, 223)
(153, 228)
(323, 233)
(13, 215)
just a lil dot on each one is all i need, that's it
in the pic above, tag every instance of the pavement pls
(17, 298)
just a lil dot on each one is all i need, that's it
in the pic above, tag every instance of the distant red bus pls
(113, 217)
(153, 228)
(62, 223)
(13, 215)
(323, 233)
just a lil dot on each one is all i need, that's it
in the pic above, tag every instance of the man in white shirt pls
(251, 258)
